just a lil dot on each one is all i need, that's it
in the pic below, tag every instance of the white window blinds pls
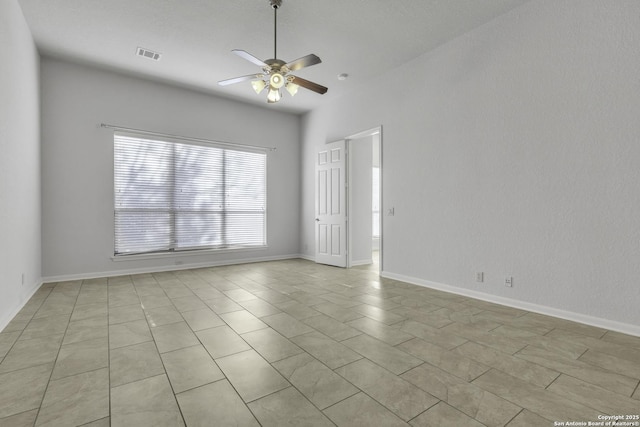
(172, 196)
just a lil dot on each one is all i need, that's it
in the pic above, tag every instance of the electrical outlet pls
(508, 281)
(480, 277)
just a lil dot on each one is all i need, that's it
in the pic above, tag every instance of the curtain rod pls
(184, 138)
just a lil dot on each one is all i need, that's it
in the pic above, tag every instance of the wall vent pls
(148, 54)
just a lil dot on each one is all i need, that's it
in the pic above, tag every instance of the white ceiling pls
(363, 38)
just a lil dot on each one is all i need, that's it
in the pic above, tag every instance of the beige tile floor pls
(293, 343)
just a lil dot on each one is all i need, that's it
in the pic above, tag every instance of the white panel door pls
(331, 215)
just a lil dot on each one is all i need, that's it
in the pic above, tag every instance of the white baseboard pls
(307, 257)
(312, 258)
(157, 269)
(25, 296)
(598, 322)
(31, 290)
(625, 328)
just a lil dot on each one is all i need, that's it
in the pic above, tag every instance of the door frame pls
(369, 132)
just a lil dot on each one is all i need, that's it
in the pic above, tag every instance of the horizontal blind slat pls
(171, 196)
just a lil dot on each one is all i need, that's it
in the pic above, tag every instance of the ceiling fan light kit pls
(275, 71)
(258, 85)
(292, 88)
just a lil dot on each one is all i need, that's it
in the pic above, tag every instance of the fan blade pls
(305, 61)
(309, 85)
(241, 79)
(249, 57)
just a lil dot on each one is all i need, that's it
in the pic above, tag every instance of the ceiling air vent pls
(149, 54)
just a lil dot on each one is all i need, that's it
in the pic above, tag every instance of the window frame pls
(173, 248)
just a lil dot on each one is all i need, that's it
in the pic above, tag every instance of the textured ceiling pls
(363, 38)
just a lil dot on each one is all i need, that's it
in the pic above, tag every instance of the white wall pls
(19, 162)
(77, 165)
(513, 150)
(360, 219)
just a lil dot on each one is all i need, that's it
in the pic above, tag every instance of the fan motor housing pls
(275, 64)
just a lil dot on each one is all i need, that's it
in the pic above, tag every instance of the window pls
(174, 196)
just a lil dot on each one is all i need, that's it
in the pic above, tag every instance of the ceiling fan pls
(275, 72)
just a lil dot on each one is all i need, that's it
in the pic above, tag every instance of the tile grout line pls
(155, 344)
(515, 416)
(554, 380)
(237, 279)
(55, 361)
(588, 405)
(583, 353)
(634, 391)
(109, 352)
(310, 355)
(503, 397)
(25, 327)
(371, 397)
(212, 358)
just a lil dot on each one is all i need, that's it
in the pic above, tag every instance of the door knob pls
(318, 219)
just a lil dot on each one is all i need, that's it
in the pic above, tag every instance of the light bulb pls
(276, 80)
(258, 85)
(292, 88)
(273, 96)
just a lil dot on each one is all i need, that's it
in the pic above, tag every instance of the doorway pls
(365, 200)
